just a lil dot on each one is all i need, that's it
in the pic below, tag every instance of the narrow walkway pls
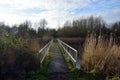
(58, 63)
(58, 66)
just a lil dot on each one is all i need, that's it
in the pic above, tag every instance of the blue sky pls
(56, 12)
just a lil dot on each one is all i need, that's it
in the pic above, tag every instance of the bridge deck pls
(58, 63)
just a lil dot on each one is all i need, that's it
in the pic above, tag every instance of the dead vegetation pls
(101, 55)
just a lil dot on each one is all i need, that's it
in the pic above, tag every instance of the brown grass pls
(30, 45)
(101, 54)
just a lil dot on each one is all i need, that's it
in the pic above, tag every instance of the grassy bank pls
(42, 74)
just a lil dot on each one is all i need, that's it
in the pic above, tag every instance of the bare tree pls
(67, 24)
(43, 23)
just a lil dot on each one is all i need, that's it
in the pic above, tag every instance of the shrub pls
(17, 57)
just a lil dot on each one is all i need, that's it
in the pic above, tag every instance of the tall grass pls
(30, 45)
(101, 55)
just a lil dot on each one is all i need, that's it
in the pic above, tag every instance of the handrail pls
(44, 51)
(71, 52)
(68, 45)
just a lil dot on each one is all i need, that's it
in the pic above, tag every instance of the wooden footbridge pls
(57, 61)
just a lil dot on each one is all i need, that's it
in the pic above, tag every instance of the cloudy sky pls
(56, 12)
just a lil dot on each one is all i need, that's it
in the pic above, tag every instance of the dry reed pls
(101, 55)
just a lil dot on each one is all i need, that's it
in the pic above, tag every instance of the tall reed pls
(101, 54)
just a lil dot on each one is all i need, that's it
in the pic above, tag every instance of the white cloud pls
(44, 4)
(56, 11)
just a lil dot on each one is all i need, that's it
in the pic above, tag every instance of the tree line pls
(82, 26)
(25, 30)
(76, 28)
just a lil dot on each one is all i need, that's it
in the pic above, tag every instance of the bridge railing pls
(70, 51)
(43, 52)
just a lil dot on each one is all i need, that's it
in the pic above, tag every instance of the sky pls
(56, 12)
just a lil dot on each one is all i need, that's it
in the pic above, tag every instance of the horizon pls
(17, 11)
